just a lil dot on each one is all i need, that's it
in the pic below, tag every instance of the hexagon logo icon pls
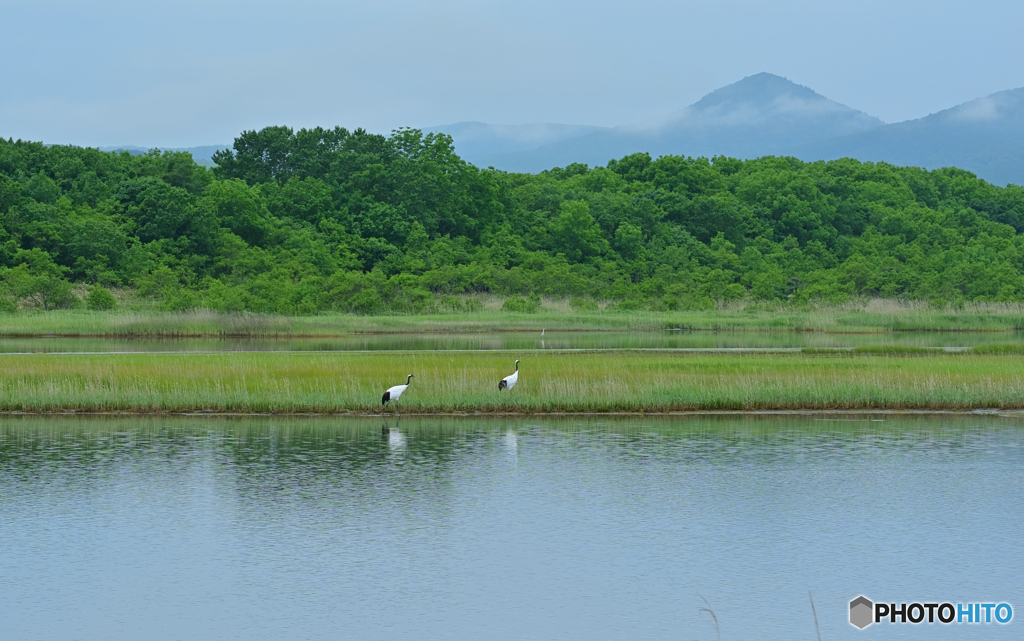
(861, 610)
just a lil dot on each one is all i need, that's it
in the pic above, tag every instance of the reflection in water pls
(395, 440)
(588, 528)
(512, 442)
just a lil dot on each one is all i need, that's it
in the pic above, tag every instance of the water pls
(514, 341)
(583, 528)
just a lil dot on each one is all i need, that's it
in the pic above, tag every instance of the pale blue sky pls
(191, 72)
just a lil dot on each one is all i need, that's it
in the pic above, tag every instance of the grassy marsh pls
(452, 382)
(874, 316)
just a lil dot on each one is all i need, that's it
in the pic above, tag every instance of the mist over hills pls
(202, 154)
(761, 115)
(984, 136)
(482, 140)
(753, 117)
(765, 114)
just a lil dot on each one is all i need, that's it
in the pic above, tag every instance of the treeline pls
(316, 220)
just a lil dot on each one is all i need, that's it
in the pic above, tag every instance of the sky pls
(196, 72)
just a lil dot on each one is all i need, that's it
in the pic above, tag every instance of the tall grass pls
(887, 350)
(1004, 349)
(869, 316)
(451, 382)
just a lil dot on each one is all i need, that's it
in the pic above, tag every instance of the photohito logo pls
(863, 612)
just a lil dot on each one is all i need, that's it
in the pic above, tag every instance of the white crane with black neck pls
(394, 393)
(509, 381)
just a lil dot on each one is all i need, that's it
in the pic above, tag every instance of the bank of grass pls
(868, 316)
(879, 350)
(451, 382)
(1005, 349)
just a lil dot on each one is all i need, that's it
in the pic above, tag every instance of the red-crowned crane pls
(509, 381)
(394, 393)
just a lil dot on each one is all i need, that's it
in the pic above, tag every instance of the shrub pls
(668, 303)
(449, 304)
(38, 281)
(181, 301)
(631, 304)
(366, 302)
(520, 304)
(99, 298)
(733, 291)
(583, 304)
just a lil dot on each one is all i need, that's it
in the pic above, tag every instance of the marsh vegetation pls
(550, 381)
(875, 316)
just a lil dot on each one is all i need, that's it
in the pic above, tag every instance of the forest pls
(332, 220)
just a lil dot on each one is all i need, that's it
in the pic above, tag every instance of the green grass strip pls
(878, 316)
(450, 382)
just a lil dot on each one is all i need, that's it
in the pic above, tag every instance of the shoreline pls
(497, 330)
(983, 411)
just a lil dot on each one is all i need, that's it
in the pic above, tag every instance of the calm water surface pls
(515, 341)
(587, 528)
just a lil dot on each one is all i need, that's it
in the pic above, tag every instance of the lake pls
(503, 528)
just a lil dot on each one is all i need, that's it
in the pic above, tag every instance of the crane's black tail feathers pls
(384, 399)
(502, 385)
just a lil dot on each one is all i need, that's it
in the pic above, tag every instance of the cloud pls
(801, 106)
(978, 110)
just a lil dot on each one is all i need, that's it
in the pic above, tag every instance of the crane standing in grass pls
(509, 381)
(394, 393)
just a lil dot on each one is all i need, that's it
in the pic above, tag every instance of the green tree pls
(576, 234)
(629, 240)
(160, 210)
(239, 208)
(306, 199)
(42, 188)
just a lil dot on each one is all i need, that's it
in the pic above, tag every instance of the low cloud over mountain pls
(985, 136)
(753, 117)
(765, 114)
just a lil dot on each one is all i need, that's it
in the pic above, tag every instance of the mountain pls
(479, 142)
(756, 116)
(984, 136)
(202, 155)
(760, 115)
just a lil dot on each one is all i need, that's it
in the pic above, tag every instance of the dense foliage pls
(314, 220)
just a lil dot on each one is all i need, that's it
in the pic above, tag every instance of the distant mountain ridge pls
(984, 136)
(765, 114)
(750, 118)
(761, 115)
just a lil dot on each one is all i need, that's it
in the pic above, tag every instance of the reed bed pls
(456, 382)
(872, 316)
